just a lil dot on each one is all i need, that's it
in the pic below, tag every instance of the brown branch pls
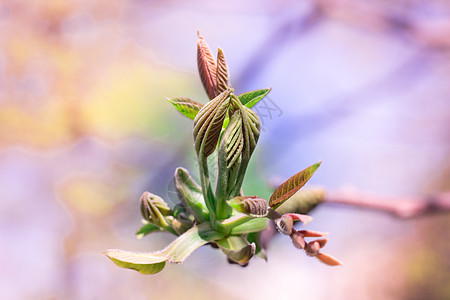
(401, 207)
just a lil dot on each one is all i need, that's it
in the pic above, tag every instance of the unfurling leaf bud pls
(154, 208)
(251, 205)
(208, 124)
(298, 239)
(285, 224)
(312, 248)
(230, 155)
(206, 67)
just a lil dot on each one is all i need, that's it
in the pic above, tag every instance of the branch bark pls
(400, 207)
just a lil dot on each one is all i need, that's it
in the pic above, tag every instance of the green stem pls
(240, 179)
(223, 209)
(234, 221)
(206, 188)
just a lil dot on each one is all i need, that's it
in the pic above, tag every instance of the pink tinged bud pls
(321, 242)
(312, 248)
(305, 219)
(285, 224)
(308, 233)
(328, 259)
(298, 239)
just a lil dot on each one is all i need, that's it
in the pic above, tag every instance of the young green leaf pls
(206, 67)
(146, 229)
(145, 263)
(187, 243)
(221, 73)
(291, 186)
(208, 124)
(176, 252)
(249, 99)
(190, 194)
(237, 249)
(186, 106)
(250, 205)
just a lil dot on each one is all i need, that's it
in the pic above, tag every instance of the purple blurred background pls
(85, 129)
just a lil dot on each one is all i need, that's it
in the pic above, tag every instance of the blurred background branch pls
(362, 85)
(400, 207)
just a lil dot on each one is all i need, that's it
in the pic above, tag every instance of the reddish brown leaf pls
(221, 73)
(291, 186)
(321, 242)
(328, 259)
(206, 67)
(305, 219)
(208, 124)
(308, 233)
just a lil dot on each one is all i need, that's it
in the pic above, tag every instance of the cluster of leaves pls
(219, 214)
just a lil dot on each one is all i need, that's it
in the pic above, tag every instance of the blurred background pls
(85, 129)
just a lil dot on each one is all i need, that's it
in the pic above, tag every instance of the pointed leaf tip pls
(175, 252)
(288, 188)
(145, 263)
(305, 219)
(309, 233)
(186, 106)
(328, 259)
(221, 73)
(206, 67)
(190, 194)
(250, 99)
